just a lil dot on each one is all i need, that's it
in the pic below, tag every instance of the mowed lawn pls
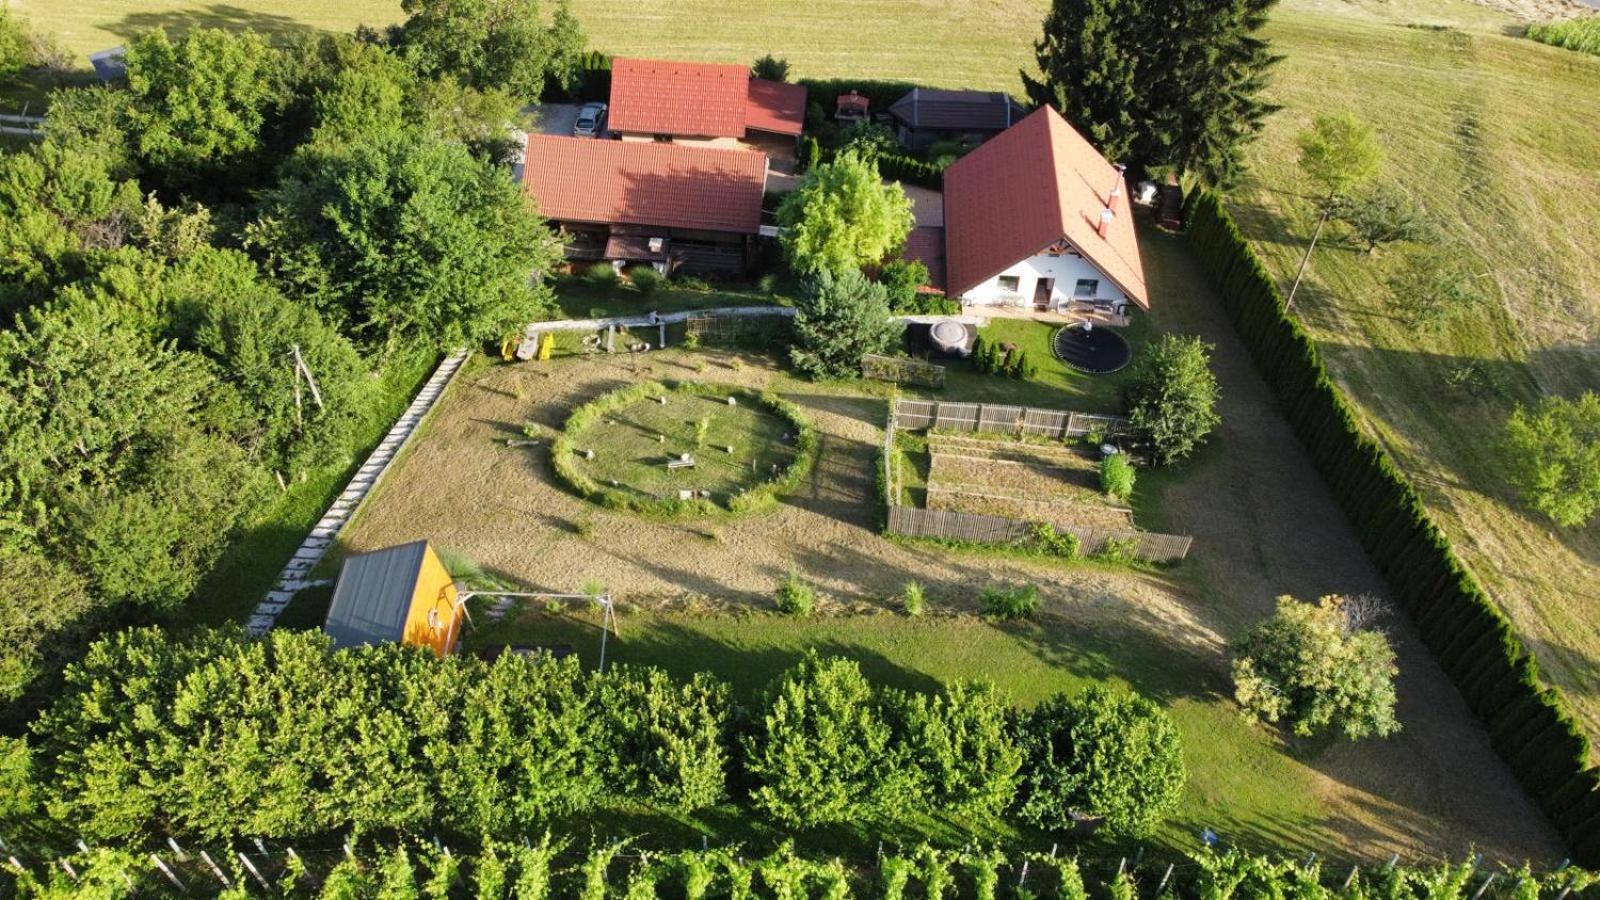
(1500, 138)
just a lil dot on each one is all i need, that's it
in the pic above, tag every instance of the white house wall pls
(720, 143)
(1065, 269)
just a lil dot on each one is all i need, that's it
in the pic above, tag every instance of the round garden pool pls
(1097, 351)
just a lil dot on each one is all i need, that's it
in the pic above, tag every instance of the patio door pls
(1041, 294)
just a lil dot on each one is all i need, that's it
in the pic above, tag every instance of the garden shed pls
(401, 594)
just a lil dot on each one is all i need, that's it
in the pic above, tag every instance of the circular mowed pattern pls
(1097, 351)
(691, 449)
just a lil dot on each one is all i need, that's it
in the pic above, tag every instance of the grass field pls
(633, 444)
(1264, 525)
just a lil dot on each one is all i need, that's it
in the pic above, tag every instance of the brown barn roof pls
(775, 106)
(1027, 188)
(642, 183)
(958, 110)
(681, 98)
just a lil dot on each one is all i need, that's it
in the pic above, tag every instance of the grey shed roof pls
(957, 110)
(110, 65)
(373, 596)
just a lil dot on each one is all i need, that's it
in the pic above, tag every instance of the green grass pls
(1582, 35)
(627, 449)
(1241, 781)
(1487, 131)
(250, 565)
(1056, 386)
(580, 298)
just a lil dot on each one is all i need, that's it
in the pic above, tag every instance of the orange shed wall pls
(434, 591)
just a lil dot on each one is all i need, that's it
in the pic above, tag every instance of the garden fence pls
(911, 521)
(995, 419)
(900, 370)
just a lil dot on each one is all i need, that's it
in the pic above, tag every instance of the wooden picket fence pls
(910, 521)
(996, 419)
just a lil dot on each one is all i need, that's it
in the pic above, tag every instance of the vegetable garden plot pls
(1017, 480)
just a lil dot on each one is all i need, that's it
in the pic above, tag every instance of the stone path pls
(294, 575)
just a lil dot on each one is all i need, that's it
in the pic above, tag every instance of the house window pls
(1086, 287)
(1010, 283)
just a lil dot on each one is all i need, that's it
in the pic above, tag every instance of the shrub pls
(912, 599)
(600, 274)
(691, 341)
(794, 596)
(1010, 602)
(1311, 666)
(1581, 34)
(666, 741)
(900, 280)
(1554, 457)
(960, 755)
(646, 279)
(770, 68)
(1173, 396)
(1112, 755)
(1043, 536)
(1122, 551)
(1117, 476)
(819, 748)
(1435, 287)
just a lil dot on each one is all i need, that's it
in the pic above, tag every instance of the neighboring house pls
(672, 206)
(1036, 218)
(400, 594)
(926, 116)
(707, 104)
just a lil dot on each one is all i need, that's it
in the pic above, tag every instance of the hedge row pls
(757, 498)
(910, 170)
(1528, 722)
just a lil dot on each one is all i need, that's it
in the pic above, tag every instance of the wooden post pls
(1164, 878)
(1306, 260)
(215, 870)
(252, 867)
(168, 872)
(662, 343)
(611, 338)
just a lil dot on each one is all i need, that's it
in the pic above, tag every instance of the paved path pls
(294, 575)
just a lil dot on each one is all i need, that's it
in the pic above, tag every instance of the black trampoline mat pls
(1098, 351)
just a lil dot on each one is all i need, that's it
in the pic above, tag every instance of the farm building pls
(705, 104)
(671, 206)
(398, 594)
(1036, 218)
(925, 116)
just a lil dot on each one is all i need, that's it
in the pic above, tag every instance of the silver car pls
(591, 121)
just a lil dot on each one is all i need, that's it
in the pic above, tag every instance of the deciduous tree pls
(1312, 667)
(1172, 397)
(494, 43)
(843, 217)
(1339, 154)
(1553, 451)
(1111, 755)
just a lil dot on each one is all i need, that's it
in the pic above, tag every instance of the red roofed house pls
(710, 104)
(671, 206)
(1037, 218)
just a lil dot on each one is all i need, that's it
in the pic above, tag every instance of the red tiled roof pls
(643, 183)
(775, 106)
(680, 98)
(1028, 187)
(925, 244)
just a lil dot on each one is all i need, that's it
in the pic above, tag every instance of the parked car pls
(591, 121)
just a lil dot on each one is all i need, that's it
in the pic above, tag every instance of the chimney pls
(1106, 215)
(1116, 186)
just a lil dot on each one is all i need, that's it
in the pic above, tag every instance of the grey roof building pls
(926, 115)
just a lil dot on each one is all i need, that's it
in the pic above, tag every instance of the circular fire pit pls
(1097, 351)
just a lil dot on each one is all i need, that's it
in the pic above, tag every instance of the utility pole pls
(1327, 211)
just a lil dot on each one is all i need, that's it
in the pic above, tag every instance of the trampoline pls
(1097, 351)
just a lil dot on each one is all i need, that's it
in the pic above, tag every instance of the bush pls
(770, 68)
(1110, 755)
(912, 599)
(1310, 666)
(1117, 476)
(646, 279)
(794, 596)
(1554, 457)
(1042, 536)
(959, 753)
(666, 741)
(600, 274)
(1010, 602)
(1121, 551)
(820, 748)
(1172, 398)
(1581, 34)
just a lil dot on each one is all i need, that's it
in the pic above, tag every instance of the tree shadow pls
(215, 15)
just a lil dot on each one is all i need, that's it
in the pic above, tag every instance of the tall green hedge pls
(1528, 722)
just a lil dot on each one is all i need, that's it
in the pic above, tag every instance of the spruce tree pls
(1171, 84)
